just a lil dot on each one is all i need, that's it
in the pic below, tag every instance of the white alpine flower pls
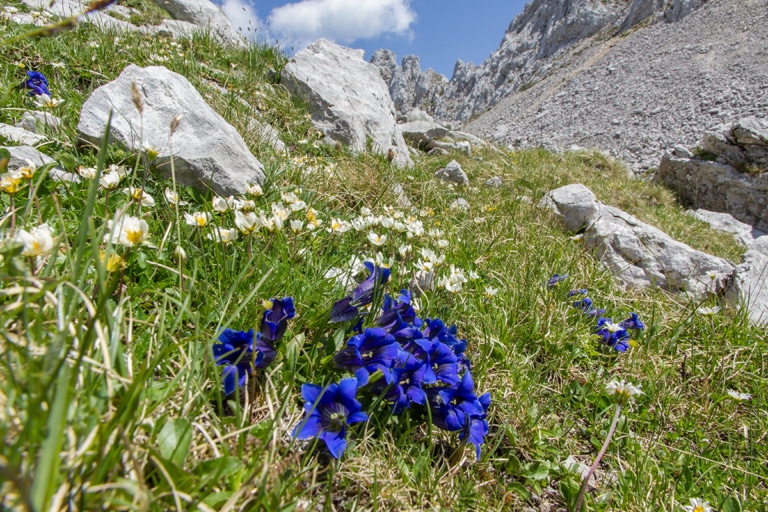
(222, 235)
(173, 198)
(110, 180)
(138, 195)
(623, 391)
(697, 505)
(247, 223)
(738, 396)
(198, 219)
(37, 242)
(127, 230)
(377, 240)
(219, 204)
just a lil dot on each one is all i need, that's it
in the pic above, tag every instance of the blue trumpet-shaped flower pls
(274, 321)
(349, 307)
(556, 279)
(613, 335)
(328, 413)
(235, 352)
(373, 350)
(36, 84)
(633, 322)
(585, 305)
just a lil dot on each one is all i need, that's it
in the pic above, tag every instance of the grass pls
(110, 398)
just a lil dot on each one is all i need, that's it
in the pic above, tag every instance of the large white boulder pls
(208, 151)
(348, 100)
(639, 254)
(750, 283)
(204, 14)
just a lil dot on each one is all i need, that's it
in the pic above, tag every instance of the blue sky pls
(438, 31)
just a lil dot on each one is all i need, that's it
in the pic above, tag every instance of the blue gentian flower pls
(436, 329)
(613, 335)
(461, 410)
(235, 352)
(633, 322)
(328, 413)
(36, 84)
(274, 321)
(556, 279)
(373, 350)
(585, 305)
(397, 314)
(580, 291)
(349, 307)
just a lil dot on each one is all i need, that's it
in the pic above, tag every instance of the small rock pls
(725, 222)
(35, 121)
(453, 173)
(20, 135)
(494, 182)
(460, 204)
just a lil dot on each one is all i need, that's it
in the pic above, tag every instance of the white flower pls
(127, 230)
(245, 205)
(454, 282)
(442, 243)
(404, 250)
(478, 220)
(379, 261)
(708, 311)
(490, 291)
(377, 240)
(738, 396)
(289, 197)
(173, 198)
(473, 275)
(222, 235)
(279, 210)
(623, 391)
(139, 196)
(357, 223)
(37, 242)
(110, 180)
(365, 211)
(339, 226)
(296, 225)
(27, 171)
(121, 171)
(254, 190)
(247, 223)
(86, 172)
(45, 101)
(219, 204)
(697, 505)
(386, 222)
(198, 219)
(297, 206)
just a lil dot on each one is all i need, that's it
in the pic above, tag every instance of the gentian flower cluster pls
(615, 336)
(36, 84)
(408, 361)
(349, 307)
(239, 353)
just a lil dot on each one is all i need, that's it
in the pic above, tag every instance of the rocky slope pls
(533, 47)
(637, 95)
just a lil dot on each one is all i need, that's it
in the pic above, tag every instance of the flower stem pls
(585, 483)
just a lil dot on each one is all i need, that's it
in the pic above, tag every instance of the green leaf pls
(218, 468)
(731, 504)
(536, 471)
(175, 439)
(338, 339)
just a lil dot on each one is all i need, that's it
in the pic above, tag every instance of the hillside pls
(208, 302)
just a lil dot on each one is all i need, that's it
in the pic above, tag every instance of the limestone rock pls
(409, 87)
(204, 14)
(494, 182)
(743, 233)
(422, 132)
(639, 254)
(20, 155)
(750, 283)
(349, 101)
(36, 122)
(736, 183)
(267, 134)
(20, 135)
(453, 173)
(208, 151)
(460, 146)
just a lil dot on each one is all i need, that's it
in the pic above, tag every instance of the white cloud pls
(342, 21)
(245, 19)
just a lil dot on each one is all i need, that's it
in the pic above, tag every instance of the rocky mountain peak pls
(531, 48)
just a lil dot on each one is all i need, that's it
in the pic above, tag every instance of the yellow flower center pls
(698, 508)
(135, 236)
(201, 220)
(267, 304)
